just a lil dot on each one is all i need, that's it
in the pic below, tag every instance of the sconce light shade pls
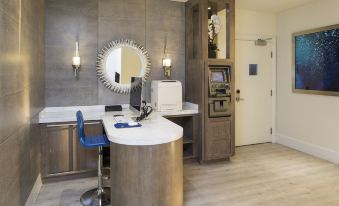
(167, 66)
(76, 61)
(167, 62)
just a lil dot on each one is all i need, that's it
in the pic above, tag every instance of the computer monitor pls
(135, 100)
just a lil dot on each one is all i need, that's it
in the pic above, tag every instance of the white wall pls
(254, 23)
(310, 121)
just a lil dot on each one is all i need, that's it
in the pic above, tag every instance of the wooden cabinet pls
(191, 133)
(218, 140)
(62, 154)
(202, 53)
(57, 150)
(86, 159)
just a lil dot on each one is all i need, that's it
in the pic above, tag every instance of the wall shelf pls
(190, 140)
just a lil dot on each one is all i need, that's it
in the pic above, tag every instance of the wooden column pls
(147, 175)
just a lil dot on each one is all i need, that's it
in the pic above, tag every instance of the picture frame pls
(315, 61)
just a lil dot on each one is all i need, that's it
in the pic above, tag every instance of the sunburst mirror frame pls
(102, 58)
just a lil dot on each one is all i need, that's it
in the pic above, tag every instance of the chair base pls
(94, 198)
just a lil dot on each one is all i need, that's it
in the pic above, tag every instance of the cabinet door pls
(218, 140)
(58, 148)
(62, 152)
(84, 158)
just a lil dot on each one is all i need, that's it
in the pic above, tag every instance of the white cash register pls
(166, 95)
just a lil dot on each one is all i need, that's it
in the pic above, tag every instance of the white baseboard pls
(35, 192)
(308, 148)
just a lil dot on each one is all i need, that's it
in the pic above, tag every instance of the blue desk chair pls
(100, 196)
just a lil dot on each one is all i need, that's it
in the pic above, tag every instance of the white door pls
(253, 81)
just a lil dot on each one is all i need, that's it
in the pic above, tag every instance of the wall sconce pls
(167, 66)
(76, 61)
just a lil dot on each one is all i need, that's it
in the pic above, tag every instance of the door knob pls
(238, 98)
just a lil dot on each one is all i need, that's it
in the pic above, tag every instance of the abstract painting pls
(316, 61)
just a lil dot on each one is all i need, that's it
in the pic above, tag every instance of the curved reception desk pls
(146, 163)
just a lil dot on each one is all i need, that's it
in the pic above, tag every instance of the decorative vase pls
(212, 54)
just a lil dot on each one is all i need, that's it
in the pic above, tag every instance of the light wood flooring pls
(265, 174)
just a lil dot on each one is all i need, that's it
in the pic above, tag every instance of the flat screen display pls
(136, 94)
(317, 61)
(217, 77)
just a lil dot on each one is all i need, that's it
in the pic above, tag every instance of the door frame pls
(253, 37)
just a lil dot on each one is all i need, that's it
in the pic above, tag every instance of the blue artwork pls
(317, 61)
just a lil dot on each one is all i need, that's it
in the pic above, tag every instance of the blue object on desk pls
(125, 125)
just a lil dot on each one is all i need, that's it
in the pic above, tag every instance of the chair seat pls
(95, 141)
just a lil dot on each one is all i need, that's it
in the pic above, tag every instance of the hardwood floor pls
(266, 174)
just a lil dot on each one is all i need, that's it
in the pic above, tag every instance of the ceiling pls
(272, 6)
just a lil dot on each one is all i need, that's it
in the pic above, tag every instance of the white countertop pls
(97, 112)
(68, 114)
(155, 130)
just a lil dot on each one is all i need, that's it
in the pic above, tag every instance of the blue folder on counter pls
(126, 125)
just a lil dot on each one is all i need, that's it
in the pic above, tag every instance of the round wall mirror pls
(121, 60)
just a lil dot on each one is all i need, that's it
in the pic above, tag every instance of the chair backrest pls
(81, 128)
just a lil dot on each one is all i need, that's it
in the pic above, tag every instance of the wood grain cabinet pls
(62, 155)
(204, 55)
(56, 150)
(218, 140)
(191, 134)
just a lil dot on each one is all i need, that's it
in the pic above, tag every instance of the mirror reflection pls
(120, 60)
(122, 64)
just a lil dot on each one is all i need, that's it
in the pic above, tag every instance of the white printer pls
(166, 95)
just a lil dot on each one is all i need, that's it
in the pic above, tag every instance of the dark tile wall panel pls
(166, 20)
(97, 22)
(10, 7)
(11, 75)
(22, 88)
(66, 22)
(149, 22)
(120, 19)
